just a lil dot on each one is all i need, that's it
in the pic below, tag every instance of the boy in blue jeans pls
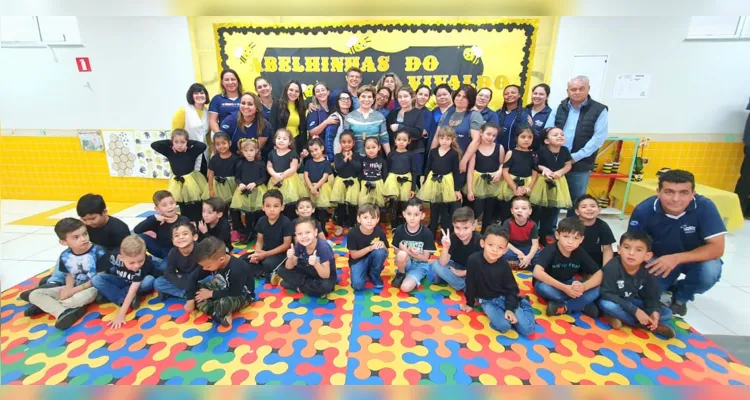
(181, 263)
(126, 275)
(490, 280)
(555, 270)
(457, 247)
(161, 224)
(629, 294)
(368, 248)
(414, 242)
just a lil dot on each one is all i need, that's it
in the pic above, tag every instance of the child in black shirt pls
(181, 263)
(305, 208)
(317, 171)
(161, 224)
(490, 280)
(104, 230)
(598, 237)
(555, 269)
(457, 247)
(230, 289)
(401, 184)
(274, 236)
(373, 175)
(629, 293)
(251, 177)
(124, 275)
(414, 242)
(214, 223)
(345, 191)
(368, 248)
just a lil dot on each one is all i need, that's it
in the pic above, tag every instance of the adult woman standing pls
(247, 123)
(444, 99)
(289, 112)
(265, 92)
(538, 110)
(511, 116)
(421, 97)
(393, 83)
(484, 96)
(319, 119)
(193, 118)
(407, 119)
(382, 98)
(343, 105)
(366, 122)
(465, 122)
(227, 102)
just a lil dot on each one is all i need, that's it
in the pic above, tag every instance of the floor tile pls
(704, 324)
(13, 272)
(8, 236)
(19, 228)
(727, 306)
(28, 246)
(736, 269)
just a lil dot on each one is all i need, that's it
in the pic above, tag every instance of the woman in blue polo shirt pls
(484, 96)
(289, 112)
(265, 92)
(247, 123)
(511, 116)
(538, 110)
(319, 119)
(227, 102)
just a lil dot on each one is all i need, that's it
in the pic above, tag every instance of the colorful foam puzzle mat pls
(381, 337)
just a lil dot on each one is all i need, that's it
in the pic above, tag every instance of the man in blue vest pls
(585, 124)
(743, 184)
(688, 235)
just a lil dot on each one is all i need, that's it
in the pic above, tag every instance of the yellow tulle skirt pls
(191, 190)
(292, 188)
(323, 199)
(343, 194)
(506, 193)
(555, 195)
(373, 195)
(398, 187)
(252, 201)
(483, 188)
(440, 191)
(223, 190)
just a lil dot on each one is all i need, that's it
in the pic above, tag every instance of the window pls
(719, 28)
(34, 31)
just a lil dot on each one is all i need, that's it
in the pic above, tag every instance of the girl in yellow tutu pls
(485, 174)
(373, 175)
(519, 169)
(282, 165)
(345, 192)
(402, 177)
(251, 181)
(440, 188)
(187, 185)
(317, 171)
(551, 193)
(221, 169)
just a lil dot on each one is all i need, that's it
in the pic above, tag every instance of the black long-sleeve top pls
(413, 124)
(234, 280)
(223, 167)
(181, 163)
(221, 230)
(374, 169)
(163, 230)
(444, 165)
(347, 169)
(251, 172)
(403, 163)
(489, 281)
(181, 270)
(622, 288)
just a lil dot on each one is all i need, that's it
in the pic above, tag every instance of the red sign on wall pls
(83, 64)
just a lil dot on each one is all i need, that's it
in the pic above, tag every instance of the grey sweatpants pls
(49, 299)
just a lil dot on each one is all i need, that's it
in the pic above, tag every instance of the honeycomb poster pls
(129, 154)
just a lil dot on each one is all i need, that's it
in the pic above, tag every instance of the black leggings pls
(290, 210)
(193, 211)
(250, 219)
(398, 213)
(321, 214)
(347, 215)
(442, 212)
(488, 209)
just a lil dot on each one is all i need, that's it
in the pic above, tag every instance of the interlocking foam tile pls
(369, 337)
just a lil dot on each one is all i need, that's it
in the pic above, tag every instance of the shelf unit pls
(618, 142)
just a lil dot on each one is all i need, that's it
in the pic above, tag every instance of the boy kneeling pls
(630, 294)
(231, 288)
(490, 279)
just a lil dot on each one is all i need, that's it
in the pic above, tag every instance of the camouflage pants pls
(221, 307)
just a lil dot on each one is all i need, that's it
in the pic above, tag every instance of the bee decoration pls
(141, 155)
(142, 170)
(155, 174)
(147, 135)
(473, 54)
(162, 135)
(355, 44)
(244, 53)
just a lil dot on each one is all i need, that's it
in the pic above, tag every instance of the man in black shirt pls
(490, 280)
(556, 267)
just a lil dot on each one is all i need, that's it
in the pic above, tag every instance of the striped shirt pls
(372, 126)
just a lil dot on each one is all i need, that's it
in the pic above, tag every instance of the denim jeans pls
(158, 253)
(370, 265)
(115, 289)
(613, 309)
(699, 278)
(574, 305)
(444, 273)
(162, 285)
(511, 256)
(57, 276)
(495, 310)
(577, 184)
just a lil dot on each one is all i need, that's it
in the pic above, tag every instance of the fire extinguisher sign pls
(83, 64)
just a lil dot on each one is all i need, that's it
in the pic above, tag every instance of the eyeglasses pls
(345, 98)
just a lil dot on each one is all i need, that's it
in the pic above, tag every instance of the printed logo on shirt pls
(640, 287)
(127, 274)
(620, 284)
(633, 223)
(538, 123)
(688, 229)
(627, 294)
(565, 265)
(416, 246)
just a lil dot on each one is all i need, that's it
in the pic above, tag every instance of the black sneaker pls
(100, 299)
(223, 321)
(33, 311)
(287, 285)
(556, 308)
(164, 296)
(591, 310)
(69, 317)
(665, 331)
(25, 295)
(398, 279)
(678, 309)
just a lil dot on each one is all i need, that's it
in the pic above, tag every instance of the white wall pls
(697, 87)
(141, 69)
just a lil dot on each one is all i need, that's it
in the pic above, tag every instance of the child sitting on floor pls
(523, 249)
(305, 208)
(214, 223)
(124, 275)
(630, 294)
(161, 224)
(490, 280)
(68, 304)
(598, 237)
(275, 232)
(310, 267)
(368, 248)
(104, 230)
(414, 242)
(457, 247)
(181, 263)
(555, 269)
(231, 287)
